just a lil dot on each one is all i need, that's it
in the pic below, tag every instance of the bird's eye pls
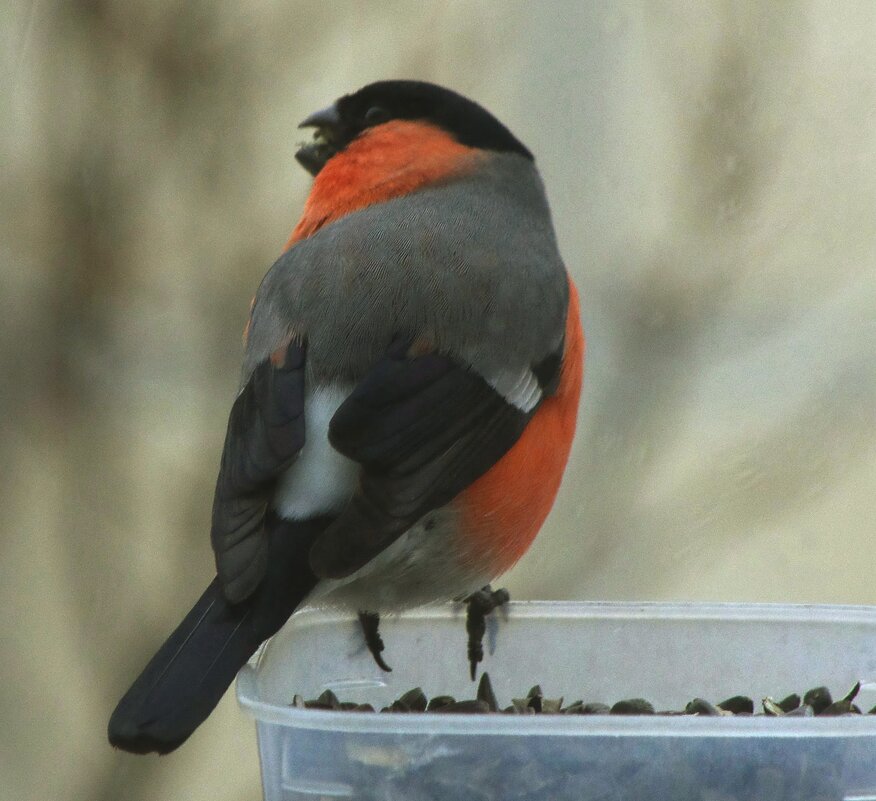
(375, 115)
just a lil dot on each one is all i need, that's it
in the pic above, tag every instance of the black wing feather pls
(265, 434)
(423, 428)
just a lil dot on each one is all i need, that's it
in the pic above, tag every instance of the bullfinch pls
(408, 398)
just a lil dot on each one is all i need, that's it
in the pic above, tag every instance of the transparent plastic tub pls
(666, 653)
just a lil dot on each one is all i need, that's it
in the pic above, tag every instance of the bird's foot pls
(370, 622)
(480, 604)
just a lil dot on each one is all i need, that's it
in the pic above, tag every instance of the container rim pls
(852, 726)
(675, 610)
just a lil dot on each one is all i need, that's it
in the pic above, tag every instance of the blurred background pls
(712, 171)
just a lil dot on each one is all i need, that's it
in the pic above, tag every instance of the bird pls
(409, 394)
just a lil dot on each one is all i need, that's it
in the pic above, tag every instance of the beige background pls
(712, 169)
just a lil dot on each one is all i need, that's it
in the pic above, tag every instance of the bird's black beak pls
(326, 139)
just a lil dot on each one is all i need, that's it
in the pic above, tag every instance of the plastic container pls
(666, 653)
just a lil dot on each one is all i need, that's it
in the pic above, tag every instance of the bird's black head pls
(377, 103)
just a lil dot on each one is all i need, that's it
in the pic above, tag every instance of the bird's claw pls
(480, 604)
(370, 622)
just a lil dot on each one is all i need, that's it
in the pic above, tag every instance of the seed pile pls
(520, 767)
(817, 701)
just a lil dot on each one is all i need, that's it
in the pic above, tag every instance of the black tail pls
(184, 681)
